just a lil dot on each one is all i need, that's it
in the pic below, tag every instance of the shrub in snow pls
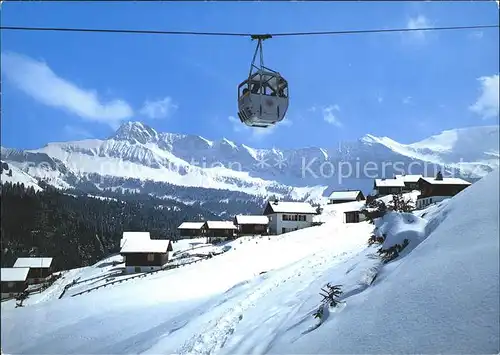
(399, 204)
(373, 210)
(400, 231)
(319, 313)
(330, 298)
(319, 209)
(376, 239)
(392, 253)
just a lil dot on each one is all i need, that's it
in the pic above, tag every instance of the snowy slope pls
(440, 296)
(130, 318)
(16, 175)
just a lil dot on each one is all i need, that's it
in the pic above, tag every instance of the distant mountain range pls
(194, 170)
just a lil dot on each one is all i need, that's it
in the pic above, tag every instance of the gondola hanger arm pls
(261, 37)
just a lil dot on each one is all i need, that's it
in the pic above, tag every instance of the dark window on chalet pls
(294, 217)
(352, 217)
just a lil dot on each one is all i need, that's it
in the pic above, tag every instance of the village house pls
(354, 216)
(410, 181)
(219, 230)
(345, 196)
(251, 225)
(190, 229)
(433, 190)
(288, 216)
(134, 236)
(14, 281)
(385, 187)
(40, 268)
(142, 255)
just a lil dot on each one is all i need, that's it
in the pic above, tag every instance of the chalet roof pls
(389, 183)
(344, 195)
(446, 181)
(220, 225)
(291, 207)
(409, 178)
(33, 262)
(353, 211)
(138, 245)
(191, 225)
(259, 219)
(134, 236)
(10, 274)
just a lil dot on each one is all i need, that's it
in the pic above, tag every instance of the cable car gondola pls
(263, 97)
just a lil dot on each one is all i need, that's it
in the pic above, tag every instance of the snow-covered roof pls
(352, 210)
(191, 225)
(135, 236)
(409, 178)
(389, 183)
(145, 246)
(292, 207)
(220, 225)
(242, 219)
(446, 181)
(10, 274)
(33, 262)
(344, 195)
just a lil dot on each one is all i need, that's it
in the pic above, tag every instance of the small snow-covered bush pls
(375, 239)
(392, 252)
(399, 204)
(373, 210)
(400, 231)
(330, 297)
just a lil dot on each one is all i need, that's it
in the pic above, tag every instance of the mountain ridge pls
(137, 155)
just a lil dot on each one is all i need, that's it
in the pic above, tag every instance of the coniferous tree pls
(399, 204)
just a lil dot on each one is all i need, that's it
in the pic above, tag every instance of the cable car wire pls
(240, 34)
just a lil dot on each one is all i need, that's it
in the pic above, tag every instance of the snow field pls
(441, 295)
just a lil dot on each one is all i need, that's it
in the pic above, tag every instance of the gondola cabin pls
(263, 99)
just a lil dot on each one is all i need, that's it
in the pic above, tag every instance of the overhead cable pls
(241, 34)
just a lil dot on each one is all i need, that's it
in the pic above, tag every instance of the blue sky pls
(59, 86)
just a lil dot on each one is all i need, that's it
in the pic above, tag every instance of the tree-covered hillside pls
(80, 230)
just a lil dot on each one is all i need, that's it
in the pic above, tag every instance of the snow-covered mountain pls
(139, 158)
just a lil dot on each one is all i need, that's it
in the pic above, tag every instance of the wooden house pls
(385, 187)
(40, 268)
(190, 229)
(345, 196)
(142, 255)
(354, 216)
(410, 181)
(433, 190)
(14, 280)
(134, 236)
(285, 216)
(251, 225)
(219, 230)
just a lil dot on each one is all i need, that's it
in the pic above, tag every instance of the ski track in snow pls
(216, 333)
